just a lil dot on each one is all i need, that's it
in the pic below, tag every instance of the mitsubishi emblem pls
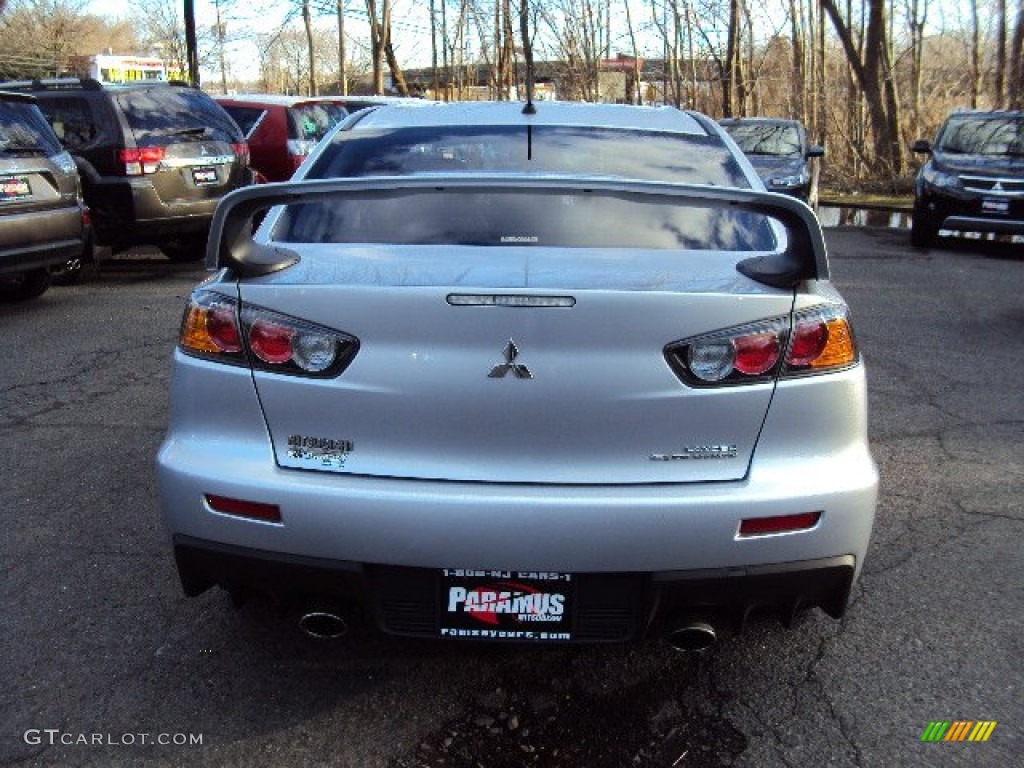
(998, 187)
(511, 354)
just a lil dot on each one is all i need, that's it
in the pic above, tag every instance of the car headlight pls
(937, 178)
(790, 180)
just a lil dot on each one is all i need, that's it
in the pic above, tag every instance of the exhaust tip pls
(323, 625)
(692, 636)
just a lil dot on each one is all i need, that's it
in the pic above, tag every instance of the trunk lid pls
(454, 381)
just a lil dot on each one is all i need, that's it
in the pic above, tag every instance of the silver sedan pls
(571, 376)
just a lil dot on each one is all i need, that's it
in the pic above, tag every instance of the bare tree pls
(1016, 83)
(874, 76)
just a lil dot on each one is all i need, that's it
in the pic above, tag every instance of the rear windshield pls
(584, 150)
(523, 217)
(246, 117)
(171, 114)
(24, 131)
(778, 139)
(311, 122)
(983, 135)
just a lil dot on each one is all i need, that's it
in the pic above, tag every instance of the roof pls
(276, 99)
(768, 120)
(660, 119)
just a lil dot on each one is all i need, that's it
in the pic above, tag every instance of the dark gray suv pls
(779, 151)
(44, 224)
(155, 158)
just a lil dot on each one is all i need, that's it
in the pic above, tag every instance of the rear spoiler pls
(231, 244)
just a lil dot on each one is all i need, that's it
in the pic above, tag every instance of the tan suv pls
(155, 158)
(44, 225)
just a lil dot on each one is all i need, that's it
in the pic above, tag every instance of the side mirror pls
(921, 147)
(815, 151)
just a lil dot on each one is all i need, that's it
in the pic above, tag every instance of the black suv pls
(44, 224)
(973, 180)
(155, 158)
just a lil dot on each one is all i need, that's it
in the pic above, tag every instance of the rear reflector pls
(253, 509)
(765, 526)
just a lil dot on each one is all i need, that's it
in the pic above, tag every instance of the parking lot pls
(104, 661)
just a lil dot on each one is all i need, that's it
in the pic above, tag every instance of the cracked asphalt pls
(102, 658)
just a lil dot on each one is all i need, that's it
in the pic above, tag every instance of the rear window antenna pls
(524, 30)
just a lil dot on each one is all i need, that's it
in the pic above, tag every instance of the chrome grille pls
(994, 186)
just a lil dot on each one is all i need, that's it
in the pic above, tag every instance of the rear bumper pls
(129, 211)
(41, 238)
(673, 546)
(611, 606)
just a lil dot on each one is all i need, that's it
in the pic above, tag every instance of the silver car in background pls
(552, 377)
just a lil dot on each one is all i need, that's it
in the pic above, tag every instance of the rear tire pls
(924, 231)
(185, 249)
(24, 286)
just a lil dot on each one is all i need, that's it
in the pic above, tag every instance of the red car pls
(282, 130)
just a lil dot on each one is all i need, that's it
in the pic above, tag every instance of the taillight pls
(214, 329)
(141, 160)
(821, 340)
(241, 150)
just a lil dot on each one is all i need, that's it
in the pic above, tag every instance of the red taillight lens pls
(766, 526)
(270, 513)
(809, 340)
(222, 326)
(270, 342)
(140, 160)
(241, 150)
(756, 353)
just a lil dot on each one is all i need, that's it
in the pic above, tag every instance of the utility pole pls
(190, 43)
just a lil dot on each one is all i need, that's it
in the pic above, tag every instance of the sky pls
(244, 18)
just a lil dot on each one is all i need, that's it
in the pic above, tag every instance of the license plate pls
(13, 188)
(506, 605)
(995, 205)
(204, 177)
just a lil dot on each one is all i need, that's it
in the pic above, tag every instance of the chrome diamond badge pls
(511, 354)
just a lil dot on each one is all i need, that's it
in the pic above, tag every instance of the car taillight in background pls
(241, 150)
(213, 328)
(821, 340)
(138, 161)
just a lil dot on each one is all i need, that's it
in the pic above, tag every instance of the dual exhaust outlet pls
(686, 636)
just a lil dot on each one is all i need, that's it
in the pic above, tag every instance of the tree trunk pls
(342, 68)
(885, 153)
(1016, 84)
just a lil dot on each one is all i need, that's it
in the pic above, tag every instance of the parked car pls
(973, 178)
(44, 223)
(155, 158)
(281, 130)
(552, 377)
(779, 151)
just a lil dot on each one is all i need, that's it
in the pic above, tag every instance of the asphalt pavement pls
(104, 662)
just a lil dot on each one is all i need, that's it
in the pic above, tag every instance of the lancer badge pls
(511, 355)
